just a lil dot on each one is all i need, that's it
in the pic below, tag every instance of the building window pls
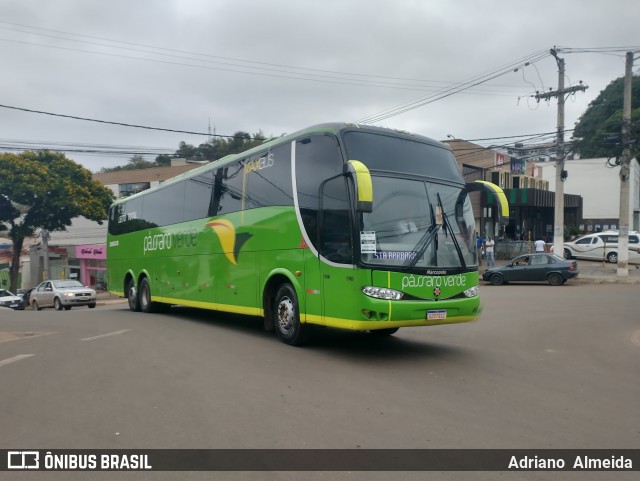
(125, 190)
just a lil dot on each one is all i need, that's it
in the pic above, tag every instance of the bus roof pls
(329, 127)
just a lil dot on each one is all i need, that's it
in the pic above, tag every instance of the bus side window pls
(231, 193)
(318, 158)
(336, 244)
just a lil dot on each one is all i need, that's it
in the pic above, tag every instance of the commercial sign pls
(91, 252)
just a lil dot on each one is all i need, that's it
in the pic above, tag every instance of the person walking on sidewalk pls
(480, 246)
(488, 248)
(539, 245)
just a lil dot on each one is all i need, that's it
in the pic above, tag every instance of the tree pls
(45, 190)
(597, 132)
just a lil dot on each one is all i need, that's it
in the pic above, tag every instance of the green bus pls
(338, 225)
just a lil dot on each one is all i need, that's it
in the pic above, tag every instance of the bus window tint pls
(198, 196)
(231, 189)
(336, 244)
(396, 154)
(166, 205)
(268, 178)
(318, 158)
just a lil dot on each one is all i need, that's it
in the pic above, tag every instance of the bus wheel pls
(286, 314)
(132, 296)
(145, 296)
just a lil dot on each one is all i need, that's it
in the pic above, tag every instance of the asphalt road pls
(544, 367)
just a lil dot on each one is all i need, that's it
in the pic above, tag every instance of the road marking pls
(115, 333)
(17, 358)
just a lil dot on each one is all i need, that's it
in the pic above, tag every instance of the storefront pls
(92, 262)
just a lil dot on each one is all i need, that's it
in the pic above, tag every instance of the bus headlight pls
(382, 293)
(471, 292)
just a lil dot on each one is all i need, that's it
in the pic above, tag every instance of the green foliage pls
(598, 131)
(46, 190)
(211, 150)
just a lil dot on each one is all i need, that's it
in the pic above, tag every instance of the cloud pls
(282, 65)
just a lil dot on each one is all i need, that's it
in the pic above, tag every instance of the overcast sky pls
(282, 65)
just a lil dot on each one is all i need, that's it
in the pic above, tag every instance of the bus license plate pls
(436, 314)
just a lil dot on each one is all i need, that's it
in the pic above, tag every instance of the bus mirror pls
(362, 180)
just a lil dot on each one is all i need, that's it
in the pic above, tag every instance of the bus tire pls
(286, 316)
(132, 296)
(145, 296)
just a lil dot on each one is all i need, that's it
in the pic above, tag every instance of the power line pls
(473, 82)
(256, 68)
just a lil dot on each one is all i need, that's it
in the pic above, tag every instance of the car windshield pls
(416, 223)
(5, 293)
(64, 284)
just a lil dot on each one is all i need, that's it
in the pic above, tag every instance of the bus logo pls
(230, 241)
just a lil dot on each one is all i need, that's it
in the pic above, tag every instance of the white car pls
(62, 294)
(602, 246)
(10, 300)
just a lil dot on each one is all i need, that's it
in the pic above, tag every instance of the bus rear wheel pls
(286, 314)
(146, 305)
(132, 296)
(145, 296)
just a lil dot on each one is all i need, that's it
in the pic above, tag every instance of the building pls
(531, 199)
(599, 184)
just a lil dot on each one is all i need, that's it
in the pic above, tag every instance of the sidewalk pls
(605, 273)
(105, 297)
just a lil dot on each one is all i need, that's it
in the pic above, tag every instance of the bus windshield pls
(422, 216)
(418, 223)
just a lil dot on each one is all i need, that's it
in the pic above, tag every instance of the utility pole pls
(623, 234)
(45, 245)
(561, 173)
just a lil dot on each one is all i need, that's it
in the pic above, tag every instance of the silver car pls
(62, 294)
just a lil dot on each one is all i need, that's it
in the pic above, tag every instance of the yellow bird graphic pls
(230, 241)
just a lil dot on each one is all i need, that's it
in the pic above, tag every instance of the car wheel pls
(92, 306)
(36, 306)
(555, 279)
(496, 280)
(57, 305)
(67, 308)
(286, 314)
(384, 332)
(132, 296)
(567, 254)
(612, 257)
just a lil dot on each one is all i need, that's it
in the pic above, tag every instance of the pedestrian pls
(488, 248)
(539, 245)
(479, 245)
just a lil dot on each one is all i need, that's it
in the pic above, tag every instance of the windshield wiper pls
(447, 226)
(426, 239)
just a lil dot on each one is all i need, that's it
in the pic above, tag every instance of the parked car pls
(62, 294)
(25, 294)
(10, 300)
(602, 246)
(538, 267)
